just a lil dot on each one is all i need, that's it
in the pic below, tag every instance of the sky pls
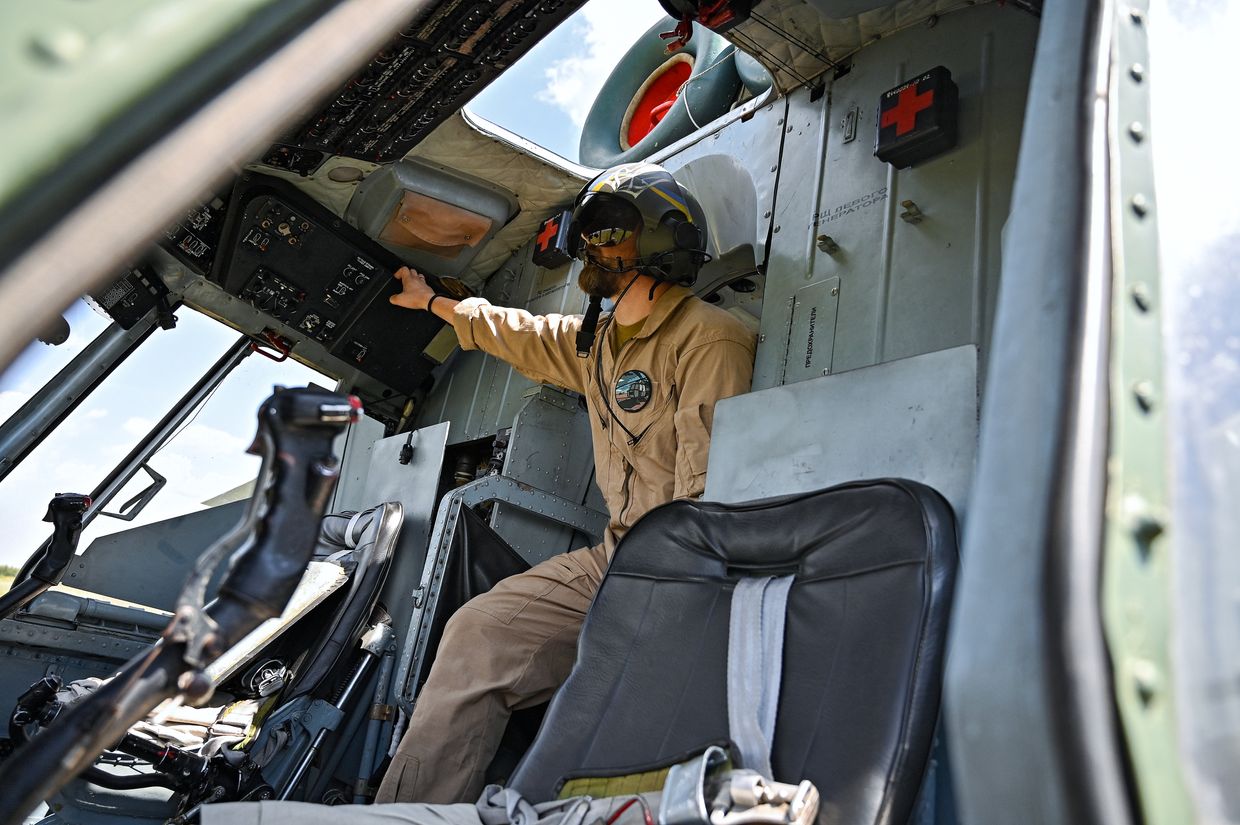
(205, 459)
(566, 69)
(544, 97)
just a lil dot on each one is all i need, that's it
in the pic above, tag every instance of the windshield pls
(205, 460)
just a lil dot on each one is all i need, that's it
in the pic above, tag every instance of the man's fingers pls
(413, 289)
(408, 276)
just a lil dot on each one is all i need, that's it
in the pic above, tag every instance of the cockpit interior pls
(909, 207)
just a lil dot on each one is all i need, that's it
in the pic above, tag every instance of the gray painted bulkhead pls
(904, 288)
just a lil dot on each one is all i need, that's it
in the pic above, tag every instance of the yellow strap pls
(600, 787)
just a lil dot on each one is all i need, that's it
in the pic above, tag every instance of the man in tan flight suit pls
(660, 361)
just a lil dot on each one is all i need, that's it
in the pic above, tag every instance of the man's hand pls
(416, 293)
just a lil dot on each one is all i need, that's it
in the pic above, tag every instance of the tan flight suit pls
(512, 647)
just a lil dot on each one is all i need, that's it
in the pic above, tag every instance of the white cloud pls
(137, 426)
(605, 31)
(11, 401)
(200, 463)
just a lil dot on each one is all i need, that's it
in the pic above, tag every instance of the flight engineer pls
(655, 367)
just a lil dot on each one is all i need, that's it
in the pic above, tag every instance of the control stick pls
(52, 559)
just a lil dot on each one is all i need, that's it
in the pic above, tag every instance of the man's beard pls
(599, 283)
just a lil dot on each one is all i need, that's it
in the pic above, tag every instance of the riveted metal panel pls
(550, 449)
(925, 281)
(731, 172)
(1139, 537)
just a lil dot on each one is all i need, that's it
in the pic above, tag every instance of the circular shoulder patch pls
(633, 390)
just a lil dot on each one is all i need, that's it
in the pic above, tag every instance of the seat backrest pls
(866, 623)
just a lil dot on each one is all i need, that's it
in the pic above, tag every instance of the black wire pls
(795, 41)
(784, 65)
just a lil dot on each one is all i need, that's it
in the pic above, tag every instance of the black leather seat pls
(867, 619)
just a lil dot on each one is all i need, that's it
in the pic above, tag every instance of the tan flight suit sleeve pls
(704, 375)
(541, 347)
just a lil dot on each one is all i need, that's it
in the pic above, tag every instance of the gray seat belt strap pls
(755, 664)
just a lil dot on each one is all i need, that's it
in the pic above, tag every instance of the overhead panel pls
(434, 66)
(801, 41)
(321, 281)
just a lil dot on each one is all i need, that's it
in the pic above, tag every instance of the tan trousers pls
(504, 650)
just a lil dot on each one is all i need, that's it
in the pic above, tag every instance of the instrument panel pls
(298, 263)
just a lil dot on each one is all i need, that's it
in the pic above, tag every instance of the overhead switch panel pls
(299, 264)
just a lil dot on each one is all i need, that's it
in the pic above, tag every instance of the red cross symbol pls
(550, 228)
(904, 114)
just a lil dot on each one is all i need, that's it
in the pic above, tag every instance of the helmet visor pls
(604, 220)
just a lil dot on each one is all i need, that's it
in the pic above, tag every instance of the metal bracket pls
(850, 124)
(1137, 568)
(130, 509)
(320, 716)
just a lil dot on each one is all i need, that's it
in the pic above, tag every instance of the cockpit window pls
(203, 463)
(545, 96)
(40, 361)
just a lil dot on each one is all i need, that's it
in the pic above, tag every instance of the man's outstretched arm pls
(542, 347)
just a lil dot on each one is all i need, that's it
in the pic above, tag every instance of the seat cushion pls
(863, 650)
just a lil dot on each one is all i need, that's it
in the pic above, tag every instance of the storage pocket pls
(692, 450)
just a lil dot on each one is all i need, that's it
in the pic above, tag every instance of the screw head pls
(1146, 680)
(1137, 72)
(1143, 394)
(1140, 205)
(1141, 297)
(1136, 131)
(60, 47)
